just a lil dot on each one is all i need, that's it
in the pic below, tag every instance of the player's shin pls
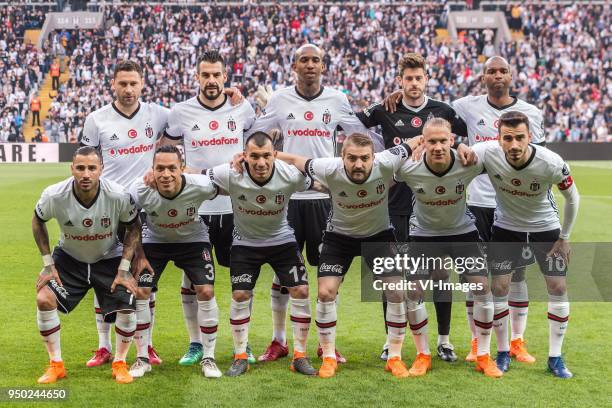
(143, 322)
(558, 317)
(152, 298)
(125, 327)
(49, 327)
(104, 328)
(469, 312)
(500, 322)
(208, 318)
(279, 299)
(190, 310)
(396, 327)
(417, 318)
(300, 319)
(239, 321)
(483, 320)
(326, 327)
(518, 300)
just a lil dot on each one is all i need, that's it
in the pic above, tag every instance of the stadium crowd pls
(562, 65)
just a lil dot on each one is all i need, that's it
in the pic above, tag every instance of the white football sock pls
(152, 310)
(190, 310)
(208, 318)
(500, 322)
(518, 300)
(417, 318)
(143, 322)
(125, 326)
(469, 312)
(483, 320)
(396, 327)
(104, 329)
(558, 317)
(278, 302)
(326, 327)
(49, 327)
(239, 320)
(300, 319)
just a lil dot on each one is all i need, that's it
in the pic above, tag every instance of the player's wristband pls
(124, 265)
(564, 236)
(47, 260)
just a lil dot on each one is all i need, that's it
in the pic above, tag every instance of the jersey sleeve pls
(460, 107)
(249, 117)
(481, 148)
(349, 122)
(561, 176)
(458, 125)
(44, 207)
(300, 182)
(174, 130)
(206, 187)
(394, 157)
(369, 116)
(129, 212)
(268, 119)
(536, 125)
(90, 132)
(220, 175)
(316, 170)
(161, 116)
(136, 192)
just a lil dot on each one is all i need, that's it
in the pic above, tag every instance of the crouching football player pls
(88, 210)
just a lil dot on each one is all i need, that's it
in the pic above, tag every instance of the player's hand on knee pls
(237, 161)
(125, 279)
(392, 100)
(466, 155)
(235, 95)
(561, 249)
(47, 274)
(140, 263)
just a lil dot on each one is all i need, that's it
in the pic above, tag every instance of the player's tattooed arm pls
(131, 241)
(41, 236)
(298, 161)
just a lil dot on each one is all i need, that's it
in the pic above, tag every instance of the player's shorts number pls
(294, 271)
(211, 272)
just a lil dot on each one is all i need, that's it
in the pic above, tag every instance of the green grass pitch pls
(361, 382)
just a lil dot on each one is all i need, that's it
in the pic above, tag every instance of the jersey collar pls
(418, 108)
(435, 173)
(82, 203)
(208, 107)
(183, 184)
(309, 98)
(123, 114)
(260, 184)
(527, 163)
(504, 106)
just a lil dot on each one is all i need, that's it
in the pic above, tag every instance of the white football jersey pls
(211, 137)
(482, 120)
(88, 234)
(525, 201)
(358, 210)
(127, 143)
(308, 125)
(260, 211)
(439, 199)
(174, 219)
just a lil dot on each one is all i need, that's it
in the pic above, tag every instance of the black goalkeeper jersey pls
(406, 123)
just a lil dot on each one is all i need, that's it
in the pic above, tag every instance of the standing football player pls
(523, 174)
(89, 211)
(407, 121)
(211, 130)
(262, 235)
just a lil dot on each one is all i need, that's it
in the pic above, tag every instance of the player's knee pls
(45, 300)
(143, 293)
(326, 294)
(205, 292)
(556, 288)
(299, 292)
(241, 295)
(394, 296)
(500, 287)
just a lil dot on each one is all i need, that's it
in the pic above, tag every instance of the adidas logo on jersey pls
(195, 127)
(343, 194)
(399, 123)
(481, 122)
(69, 224)
(242, 197)
(114, 137)
(290, 116)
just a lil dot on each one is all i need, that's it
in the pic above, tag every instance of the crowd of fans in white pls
(562, 65)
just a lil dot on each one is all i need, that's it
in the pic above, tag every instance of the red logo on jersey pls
(397, 141)
(416, 122)
(440, 190)
(566, 183)
(231, 124)
(480, 138)
(215, 141)
(362, 193)
(132, 133)
(516, 182)
(308, 115)
(213, 125)
(260, 199)
(309, 132)
(326, 116)
(496, 124)
(141, 148)
(105, 222)
(172, 212)
(87, 222)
